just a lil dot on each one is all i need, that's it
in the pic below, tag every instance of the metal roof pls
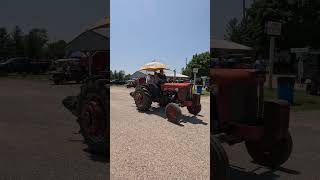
(95, 38)
(103, 32)
(103, 23)
(224, 44)
(92, 40)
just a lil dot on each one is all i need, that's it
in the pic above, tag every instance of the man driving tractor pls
(172, 96)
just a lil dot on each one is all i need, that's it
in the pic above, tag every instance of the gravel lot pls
(39, 137)
(39, 140)
(303, 163)
(147, 146)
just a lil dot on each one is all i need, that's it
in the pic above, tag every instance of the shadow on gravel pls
(66, 83)
(159, 111)
(94, 157)
(193, 120)
(97, 157)
(238, 173)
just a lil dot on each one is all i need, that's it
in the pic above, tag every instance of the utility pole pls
(244, 9)
(273, 30)
(90, 59)
(271, 59)
(186, 62)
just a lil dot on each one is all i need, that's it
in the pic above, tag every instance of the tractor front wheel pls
(173, 113)
(220, 162)
(270, 153)
(93, 112)
(142, 99)
(92, 123)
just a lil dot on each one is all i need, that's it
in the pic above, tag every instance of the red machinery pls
(171, 96)
(91, 106)
(140, 81)
(239, 113)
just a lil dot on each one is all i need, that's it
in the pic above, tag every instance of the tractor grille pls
(243, 103)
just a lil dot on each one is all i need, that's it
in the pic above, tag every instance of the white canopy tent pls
(168, 73)
(225, 44)
(220, 48)
(95, 39)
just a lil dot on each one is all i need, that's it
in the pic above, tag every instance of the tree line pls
(34, 44)
(119, 75)
(300, 25)
(201, 61)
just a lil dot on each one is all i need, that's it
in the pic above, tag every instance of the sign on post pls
(273, 28)
(195, 70)
(299, 50)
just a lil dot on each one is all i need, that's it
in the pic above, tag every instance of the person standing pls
(148, 79)
(259, 64)
(300, 70)
(162, 76)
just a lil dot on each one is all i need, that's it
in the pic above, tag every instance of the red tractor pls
(92, 106)
(239, 113)
(170, 96)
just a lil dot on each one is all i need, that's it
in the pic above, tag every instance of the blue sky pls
(221, 12)
(165, 30)
(64, 19)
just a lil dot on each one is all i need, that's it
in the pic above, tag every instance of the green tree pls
(17, 42)
(121, 75)
(296, 19)
(111, 75)
(233, 30)
(202, 61)
(56, 50)
(127, 77)
(5, 42)
(35, 42)
(115, 74)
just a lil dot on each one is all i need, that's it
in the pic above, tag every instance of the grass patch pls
(205, 93)
(301, 100)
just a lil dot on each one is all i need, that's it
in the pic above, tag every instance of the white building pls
(95, 38)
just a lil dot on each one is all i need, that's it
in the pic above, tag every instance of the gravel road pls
(303, 163)
(39, 137)
(147, 146)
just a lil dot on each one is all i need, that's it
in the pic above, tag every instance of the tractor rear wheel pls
(272, 154)
(194, 109)
(219, 159)
(92, 118)
(142, 99)
(173, 113)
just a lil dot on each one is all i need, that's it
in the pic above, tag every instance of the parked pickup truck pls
(19, 65)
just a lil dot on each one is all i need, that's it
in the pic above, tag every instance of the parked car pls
(68, 70)
(118, 82)
(20, 65)
(131, 83)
